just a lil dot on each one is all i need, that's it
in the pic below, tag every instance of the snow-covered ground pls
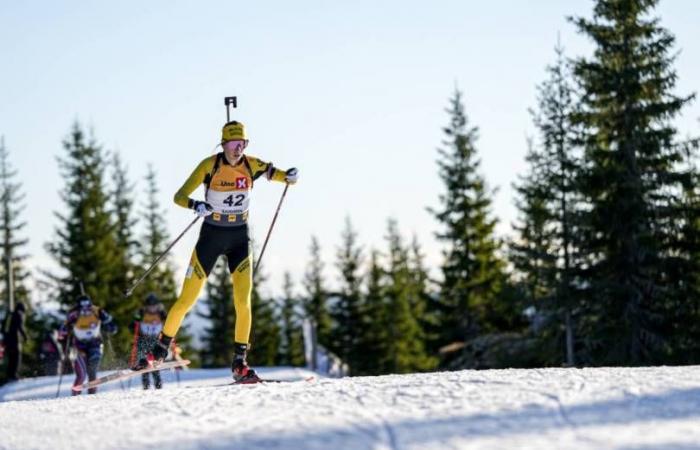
(621, 408)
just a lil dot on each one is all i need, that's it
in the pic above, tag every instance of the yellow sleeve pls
(182, 196)
(258, 168)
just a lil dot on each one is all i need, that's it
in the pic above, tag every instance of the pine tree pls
(374, 335)
(11, 250)
(315, 300)
(532, 251)
(633, 183)
(422, 298)
(533, 254)
(121, 205)
(404, 346)
(472, 271)
(685, 341)
(347, 312)
(11, 207)
(544, 253)
(153, 243)
(85, 247)
(218, 311)
(292, 345)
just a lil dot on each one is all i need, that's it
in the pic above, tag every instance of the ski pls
(128, 373)
(269, 380)
(309, 379)
(272, 380)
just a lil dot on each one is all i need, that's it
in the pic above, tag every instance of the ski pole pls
(262, 252)
(113, 357)
(64, 360)
(141, 278)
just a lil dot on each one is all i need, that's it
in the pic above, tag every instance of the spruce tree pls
(533, 254)
(375, 336)
(12, 246)
(122, 208)
(532, 251)
(544, 253)
(292, 345)
(315, 300)
(121, 205)
(472, 270)
(347, 311)
(422, 296)
(11, 207)
(153, 243)
(404, 349)
(218, 311)
(633, 183)
(685, 341)
(85, 246)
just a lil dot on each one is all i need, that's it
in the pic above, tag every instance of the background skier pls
(86, 321)
(147, 325)
(12, 329)
(50, 353)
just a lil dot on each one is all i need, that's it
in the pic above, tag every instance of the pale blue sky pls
(353, 94)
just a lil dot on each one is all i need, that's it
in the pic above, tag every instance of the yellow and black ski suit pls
(224, 232)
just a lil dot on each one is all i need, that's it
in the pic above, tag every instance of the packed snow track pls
(605, 408)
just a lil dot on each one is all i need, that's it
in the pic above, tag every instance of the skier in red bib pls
(147, 325)
(228, 178)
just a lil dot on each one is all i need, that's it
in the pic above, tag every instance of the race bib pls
(87, 327)
(229, 202)
(88, 333)
(151, 329)
(151, 325)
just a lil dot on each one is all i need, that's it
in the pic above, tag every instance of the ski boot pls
(157, 381)
(242, 373)
(146, 381)
(160, 349)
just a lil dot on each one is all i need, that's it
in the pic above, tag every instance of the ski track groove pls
(382, 432)
(386, 426)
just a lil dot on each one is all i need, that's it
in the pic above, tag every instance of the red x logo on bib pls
(241, 183)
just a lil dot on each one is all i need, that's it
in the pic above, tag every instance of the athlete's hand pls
(292, 175)
(202, 209)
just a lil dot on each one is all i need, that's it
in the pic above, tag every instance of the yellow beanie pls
(233, 131)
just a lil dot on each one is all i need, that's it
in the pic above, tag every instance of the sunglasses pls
(234, 145)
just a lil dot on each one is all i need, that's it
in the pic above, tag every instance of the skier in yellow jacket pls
(228, 178)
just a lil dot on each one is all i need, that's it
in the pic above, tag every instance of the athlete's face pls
(234, 149)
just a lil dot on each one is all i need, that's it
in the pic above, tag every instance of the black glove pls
(160, 349)
(111, 328)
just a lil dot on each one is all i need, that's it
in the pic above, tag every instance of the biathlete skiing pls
(228, 178)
